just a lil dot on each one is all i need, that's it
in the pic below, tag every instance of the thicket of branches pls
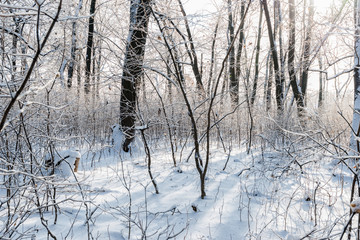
(252, 73)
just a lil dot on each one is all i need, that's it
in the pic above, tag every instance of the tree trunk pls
(14, 49)
(356, 117)
(234, 83)
(241, 42)
(268, 81)
(192, 53)
(257, 59)
(291, 59)
(73, 47)
(98, 69)
(212, 61)
(321, 88)
(278, 79)
(89, 46)
(132, 70)
(306, 53)
(278, 30)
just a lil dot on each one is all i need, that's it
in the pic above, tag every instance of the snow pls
(64, 162)
(118, 139)
(270, 200)
(355, 205)
(117, 136)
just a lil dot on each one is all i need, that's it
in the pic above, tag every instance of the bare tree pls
(356, 116)
(234, 83)
(321, 82)
(241, 40)
(73, 46)
(278, 76)
(256, 77)
(306, 52)
(291, 59)
(191, 52)
(89, 46)
(132, 70)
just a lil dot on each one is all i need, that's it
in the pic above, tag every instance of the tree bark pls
(306, 53)
(356, 117)
(212, 61)
(241, 41)
(192, 53)
(278, 31)
(73, 47)
(278, 79)
(253, 94)
(268, 81)
(321, 88)
(133, 70)
(234, 83)
(14, 49)
(89, 46)
(291, 59)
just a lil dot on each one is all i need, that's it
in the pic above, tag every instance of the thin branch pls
(30, 70)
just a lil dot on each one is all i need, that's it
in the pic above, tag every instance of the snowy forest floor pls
(260, 195)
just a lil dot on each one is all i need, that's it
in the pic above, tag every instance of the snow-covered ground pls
(261, 195)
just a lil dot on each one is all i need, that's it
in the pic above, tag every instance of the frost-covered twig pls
(347, 224)
(148, 155)
(31, 68)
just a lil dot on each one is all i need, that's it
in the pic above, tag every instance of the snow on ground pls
(273, 198)
(63, 161)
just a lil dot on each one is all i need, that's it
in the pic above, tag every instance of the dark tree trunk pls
(192, 52)
(98, 68)
(14, 49)
(278, 76)
(132, 70)
(89, 46)
(291, 59)
(321, 88)
(234, 83)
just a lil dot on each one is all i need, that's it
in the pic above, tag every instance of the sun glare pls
(322, 5)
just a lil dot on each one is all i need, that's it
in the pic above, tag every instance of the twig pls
(352, 215)
(228, 157)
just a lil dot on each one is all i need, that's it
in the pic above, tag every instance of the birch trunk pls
(356, 117)
(306, 53)
(73, 46)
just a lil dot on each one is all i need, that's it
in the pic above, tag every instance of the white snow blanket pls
(118, 138)
(64, 162)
